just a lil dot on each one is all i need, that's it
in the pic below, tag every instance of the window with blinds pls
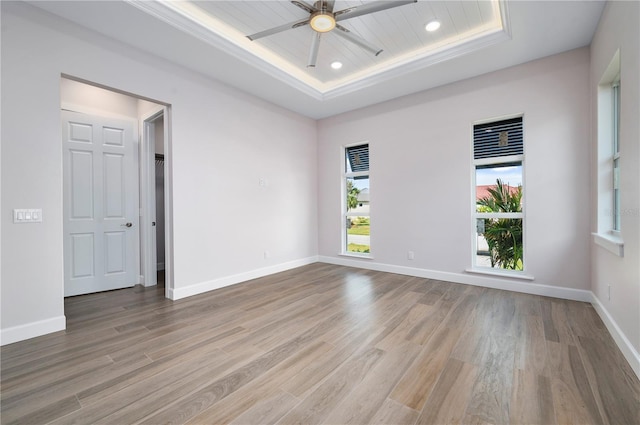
(356, 232)
(498, 155)
(498, 139)
(357, 158)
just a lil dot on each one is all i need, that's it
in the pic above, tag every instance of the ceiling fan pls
(323, 19)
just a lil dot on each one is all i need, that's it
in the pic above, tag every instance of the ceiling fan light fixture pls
(432, 26)
(322, 22)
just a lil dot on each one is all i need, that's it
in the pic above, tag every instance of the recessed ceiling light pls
(336, 65)
(432, 26)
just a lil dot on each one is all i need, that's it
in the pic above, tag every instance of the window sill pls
(611, 243)
(492, 272)
(354, 255)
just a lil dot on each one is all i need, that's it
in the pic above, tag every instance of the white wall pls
(619, 28)
(90, 99)
(223, 142)
(421, 194)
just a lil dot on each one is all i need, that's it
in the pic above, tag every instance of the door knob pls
(127, 224)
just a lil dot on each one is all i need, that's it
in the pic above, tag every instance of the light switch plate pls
(27, 215)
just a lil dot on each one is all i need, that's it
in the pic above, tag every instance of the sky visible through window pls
(510, 175)
(361, 184)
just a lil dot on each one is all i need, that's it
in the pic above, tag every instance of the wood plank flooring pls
(322, 344)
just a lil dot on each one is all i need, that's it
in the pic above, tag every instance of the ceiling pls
(475, 37)
(399, 31)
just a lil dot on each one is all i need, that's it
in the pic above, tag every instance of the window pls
(615, 158)
(356, 191)
(498, 154)
(609, 159)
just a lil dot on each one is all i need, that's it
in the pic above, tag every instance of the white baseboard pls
(497, 282)
(32, 330)
(199, 288)
(618, 336)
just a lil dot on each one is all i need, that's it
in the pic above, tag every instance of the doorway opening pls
(153, 174)
(149, 226)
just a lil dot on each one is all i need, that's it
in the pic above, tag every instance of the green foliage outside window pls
(503, 235)
(352, 195)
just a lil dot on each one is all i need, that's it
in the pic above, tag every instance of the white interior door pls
(100, 203)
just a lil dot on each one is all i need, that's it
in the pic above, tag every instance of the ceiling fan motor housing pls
(322, 21)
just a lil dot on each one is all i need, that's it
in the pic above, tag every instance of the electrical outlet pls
(266, 255)
(410, 255)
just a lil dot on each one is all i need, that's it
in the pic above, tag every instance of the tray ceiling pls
(209, 37)
(400, 32)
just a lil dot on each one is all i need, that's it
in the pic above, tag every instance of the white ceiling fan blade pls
(305, 6)
(313, 53)
(276, 30)
(330, 4)
(372, 7)
(356, 39)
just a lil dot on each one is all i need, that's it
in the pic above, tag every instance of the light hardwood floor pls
(322, 344)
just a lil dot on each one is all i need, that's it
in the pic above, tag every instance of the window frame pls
(345, 214)
(608, 232)
(475, 215)
(615, 157)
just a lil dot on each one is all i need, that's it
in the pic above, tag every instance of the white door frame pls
(148, 205)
